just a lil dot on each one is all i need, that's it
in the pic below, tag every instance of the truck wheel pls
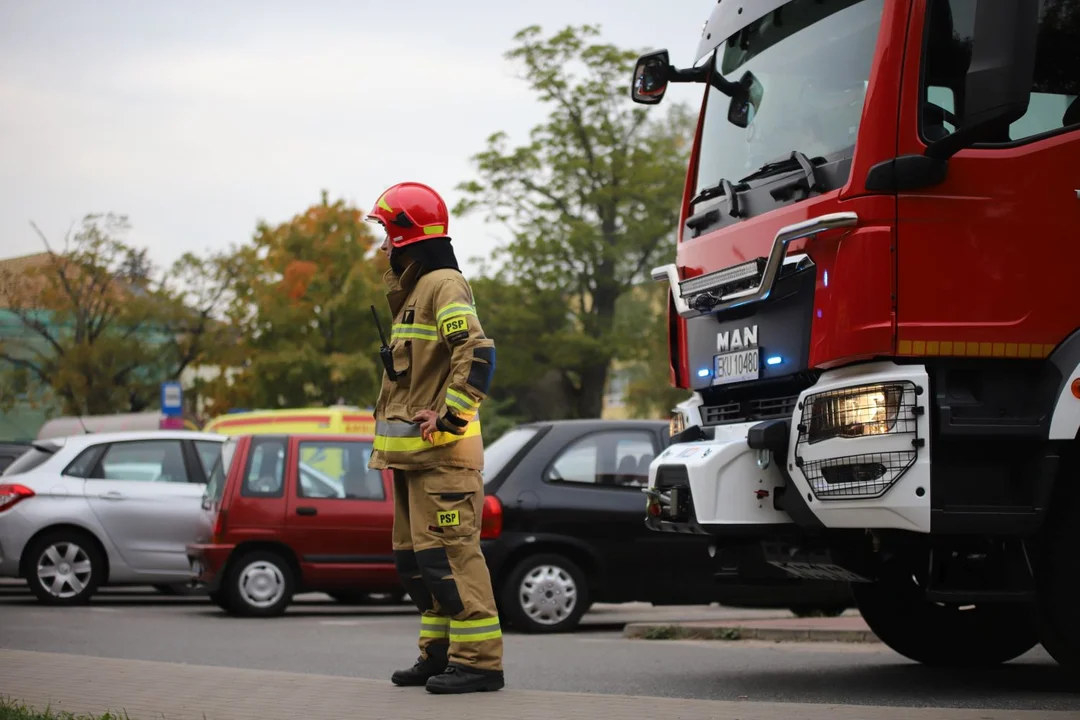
(942, 635)
(64, 568)
(1058, 575)
(259, 584)
(545, 593)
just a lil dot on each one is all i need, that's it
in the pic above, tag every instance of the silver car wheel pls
(548, 594)
(262, 584)
(64, 570)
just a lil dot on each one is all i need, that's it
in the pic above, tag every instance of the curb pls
(660, 631)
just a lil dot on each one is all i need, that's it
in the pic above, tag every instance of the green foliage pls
(592, 201)
(94, 331)
(300, 312)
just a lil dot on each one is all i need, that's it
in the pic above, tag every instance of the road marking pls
(103, 609)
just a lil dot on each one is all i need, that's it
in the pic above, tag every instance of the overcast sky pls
(199, 118)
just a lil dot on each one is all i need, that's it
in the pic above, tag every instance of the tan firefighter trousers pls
(437, 551)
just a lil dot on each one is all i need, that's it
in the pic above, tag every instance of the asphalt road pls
(319, 636)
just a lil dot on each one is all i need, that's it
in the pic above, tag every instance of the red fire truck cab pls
(870, 304)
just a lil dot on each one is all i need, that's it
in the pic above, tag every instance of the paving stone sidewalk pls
(171, 691)
(846, 628)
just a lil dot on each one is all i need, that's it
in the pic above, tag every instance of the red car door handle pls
(306, 511)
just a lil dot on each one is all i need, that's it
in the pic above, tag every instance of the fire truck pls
(870, 306)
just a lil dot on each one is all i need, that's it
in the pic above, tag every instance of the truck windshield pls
(812, 58)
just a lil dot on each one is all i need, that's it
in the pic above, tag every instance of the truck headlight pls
(677, 423)
(852, 412)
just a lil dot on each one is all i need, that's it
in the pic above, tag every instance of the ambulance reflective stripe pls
(405, 437)
(463, 406)
(475, 630)
(437, 628)
(402, 331)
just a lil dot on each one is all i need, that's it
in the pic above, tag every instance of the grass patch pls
(678, 632)
(660, 632)
(14, 710)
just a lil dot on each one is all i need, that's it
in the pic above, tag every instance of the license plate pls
(737, 366)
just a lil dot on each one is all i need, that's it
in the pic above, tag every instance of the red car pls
(295, 513)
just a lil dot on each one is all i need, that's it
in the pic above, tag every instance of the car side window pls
(337, 470)
(208, 452)
(265, 473)
(83, 465)
(1053, 101)
(610, 458)
(144, 461)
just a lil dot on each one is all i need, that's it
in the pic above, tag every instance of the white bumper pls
(869, 482)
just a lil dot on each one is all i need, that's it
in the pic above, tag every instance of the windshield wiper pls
(796, 161)
(724, 187)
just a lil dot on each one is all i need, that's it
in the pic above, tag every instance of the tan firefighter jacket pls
(446, 363)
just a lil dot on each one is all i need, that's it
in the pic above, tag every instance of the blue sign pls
(172, 399)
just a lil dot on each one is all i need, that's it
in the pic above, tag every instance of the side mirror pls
(745, 101)
(651, 77)
(1000, 75)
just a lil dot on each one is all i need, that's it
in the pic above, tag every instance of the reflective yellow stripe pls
(402, 331)
(384, 205)
(434, 229)
(434, 627)
(415, 326)
(464, 624)
(462, 631)
(460, 400)
(455, 637)
(388, 443)
(455, 308)
(408, 335)
(436, 634)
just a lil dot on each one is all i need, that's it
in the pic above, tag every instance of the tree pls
(93, 330)
(591, 200)
(300, 300)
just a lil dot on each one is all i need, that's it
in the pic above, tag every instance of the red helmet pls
(411, 212)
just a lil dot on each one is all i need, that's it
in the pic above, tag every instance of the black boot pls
(418, 674)
(458, 679)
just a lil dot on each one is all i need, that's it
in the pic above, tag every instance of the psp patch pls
(448, 518)
(455, 325)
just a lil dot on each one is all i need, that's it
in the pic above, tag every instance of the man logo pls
(736, 339)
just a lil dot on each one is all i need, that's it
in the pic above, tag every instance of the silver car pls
(85, 511)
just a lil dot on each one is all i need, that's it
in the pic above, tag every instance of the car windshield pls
(812, 60)
(215, 486)
(503, 450)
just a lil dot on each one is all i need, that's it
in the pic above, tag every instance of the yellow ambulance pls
(339, 419)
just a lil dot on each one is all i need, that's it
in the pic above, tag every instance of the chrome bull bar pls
(777, 258)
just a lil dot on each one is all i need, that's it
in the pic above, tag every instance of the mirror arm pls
(704, 74)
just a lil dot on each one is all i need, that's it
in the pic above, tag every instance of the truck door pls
(985, 257)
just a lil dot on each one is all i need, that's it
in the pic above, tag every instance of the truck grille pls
(749, 410)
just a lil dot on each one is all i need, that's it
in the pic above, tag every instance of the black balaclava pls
(434, 254)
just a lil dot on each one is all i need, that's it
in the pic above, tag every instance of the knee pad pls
(435, 569)
(409, 571)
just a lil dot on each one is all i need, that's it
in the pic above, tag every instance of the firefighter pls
(437, 373)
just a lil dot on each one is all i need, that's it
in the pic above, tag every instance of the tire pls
(220, 599)
(942, 635)
(71, 556)
(259, 584)
(545, 593)
(1057, 574)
